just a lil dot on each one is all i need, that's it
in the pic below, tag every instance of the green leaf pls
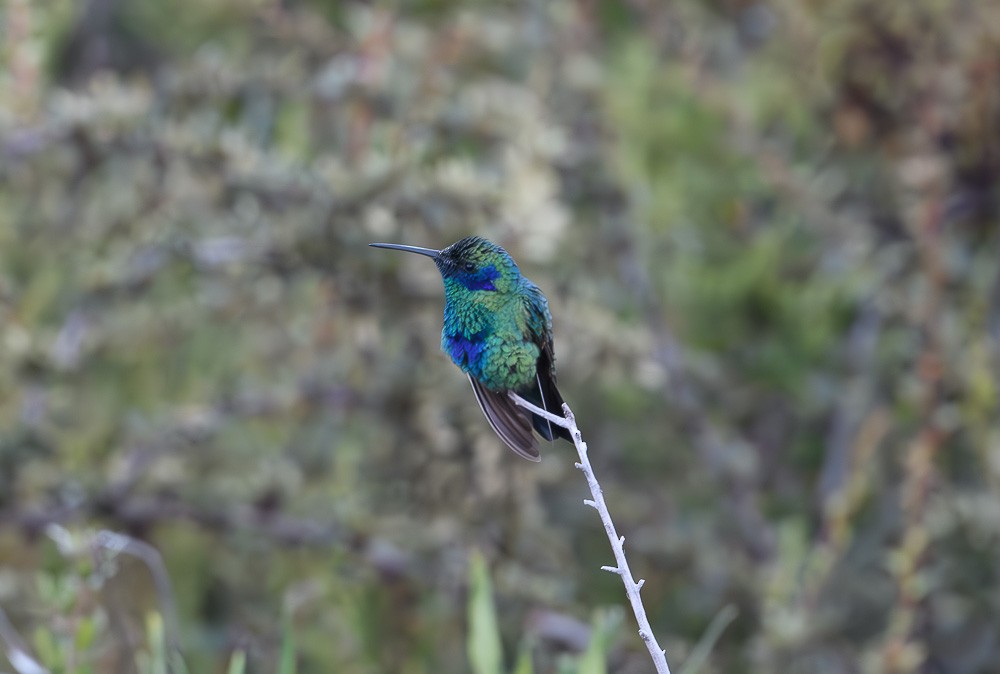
(157, 644)
(566, 664)
(238, 663)
(703, 649)
(485, 652)
(46, 647)
(286, 664)
(602, 635)
(86, 632)
(524, 663)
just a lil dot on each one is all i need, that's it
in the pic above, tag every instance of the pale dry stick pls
(617, 542)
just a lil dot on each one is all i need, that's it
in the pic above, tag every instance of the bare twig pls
(617, 542)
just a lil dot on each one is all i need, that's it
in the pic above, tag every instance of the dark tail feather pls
(546, 396)
(541, 392)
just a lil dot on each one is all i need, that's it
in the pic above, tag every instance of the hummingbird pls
(498, 331)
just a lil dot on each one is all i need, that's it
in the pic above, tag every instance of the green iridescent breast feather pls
(495, 335)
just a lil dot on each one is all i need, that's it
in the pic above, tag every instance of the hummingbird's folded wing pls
(508, 420)
(544, 394)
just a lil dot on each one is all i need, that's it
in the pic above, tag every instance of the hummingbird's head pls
(472, 264)
(477, 264)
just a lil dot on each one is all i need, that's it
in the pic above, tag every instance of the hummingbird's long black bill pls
(429, 252)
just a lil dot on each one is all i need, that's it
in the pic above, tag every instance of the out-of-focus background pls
(768, 233)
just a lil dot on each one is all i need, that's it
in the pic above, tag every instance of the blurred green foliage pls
(768, 232)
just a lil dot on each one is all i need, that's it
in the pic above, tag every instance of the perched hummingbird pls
(498, 330)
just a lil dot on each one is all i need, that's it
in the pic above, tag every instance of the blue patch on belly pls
(465, 351)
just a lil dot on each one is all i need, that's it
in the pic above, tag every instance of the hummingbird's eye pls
(469, 266)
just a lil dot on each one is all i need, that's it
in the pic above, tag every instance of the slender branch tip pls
(568, 421)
